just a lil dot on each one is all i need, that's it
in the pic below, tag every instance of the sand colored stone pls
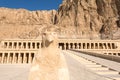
(94, 19)
(49, 63)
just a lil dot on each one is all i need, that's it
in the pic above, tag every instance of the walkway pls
(78, 71)
(14, 71)
(106, 68)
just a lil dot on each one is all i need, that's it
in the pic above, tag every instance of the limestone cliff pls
(91, 19)
(25, 17)
(21, 23)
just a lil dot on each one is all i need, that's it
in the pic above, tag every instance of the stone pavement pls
(107, 68)
(78, 71)
(21, 71)
(14, 71)
(111, 64)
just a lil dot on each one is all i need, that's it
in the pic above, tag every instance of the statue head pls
(49, 36)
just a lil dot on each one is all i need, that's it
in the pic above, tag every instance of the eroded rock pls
(82, 17)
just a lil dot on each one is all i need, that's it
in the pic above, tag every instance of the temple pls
(19, 51)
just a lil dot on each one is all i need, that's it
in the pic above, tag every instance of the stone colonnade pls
(16, 57)
(65, 45)
(115, 54)
(112, 52)
(21, 51)
(9, 44)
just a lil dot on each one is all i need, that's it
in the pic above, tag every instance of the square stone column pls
(12, 45)
(40, 45)
(103, 45)
(8, 45)
(98, 46)
(26, 45)
(35, 46)
(19, 58)
(89, 45)
(94, 46)
(13, 60)
(21, 45)
(81, 45)
(73, 45)
(107, 46)
(16, 60)
(77, 46)
(24, 58)
(85, 45)
(29, 58)
(110, 45)
(3, 55)
(17, 46)
(8, 57)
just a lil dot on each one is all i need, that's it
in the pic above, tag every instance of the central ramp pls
(78, 70)
(95, 65)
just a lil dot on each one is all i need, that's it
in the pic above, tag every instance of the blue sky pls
(31, 4)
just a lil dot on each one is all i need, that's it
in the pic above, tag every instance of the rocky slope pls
(21, 23)
(90, 19)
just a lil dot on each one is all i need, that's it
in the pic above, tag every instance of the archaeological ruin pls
(88, 37)
(18, 51)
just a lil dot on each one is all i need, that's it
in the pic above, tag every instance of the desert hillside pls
(90, 19)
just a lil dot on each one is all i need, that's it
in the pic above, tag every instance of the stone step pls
(99, 68)
(108, 79)
(114, 76)
(90, 63)
(107, 72)
(94, 66)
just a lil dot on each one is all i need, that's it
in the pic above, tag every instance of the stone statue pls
(49, 63)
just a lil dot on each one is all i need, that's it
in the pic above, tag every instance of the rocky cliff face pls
(21, 23)
(25, 17)
(91, 19)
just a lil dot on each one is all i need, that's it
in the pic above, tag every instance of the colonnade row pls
(16, 58)
(21, 45)
(65, 46)
(115, 54)
(112, 52)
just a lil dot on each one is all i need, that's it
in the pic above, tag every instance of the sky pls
(31, 4)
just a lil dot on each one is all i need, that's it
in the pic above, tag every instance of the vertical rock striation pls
(89, 19)
(21, 23)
